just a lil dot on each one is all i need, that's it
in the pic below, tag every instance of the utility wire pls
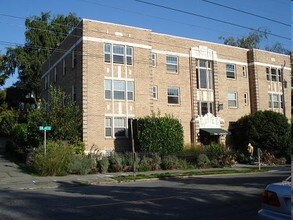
(246, 12)
(209, 18)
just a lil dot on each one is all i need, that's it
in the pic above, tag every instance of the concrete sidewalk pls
(12, 177)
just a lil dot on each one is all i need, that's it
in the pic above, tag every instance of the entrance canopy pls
(215, 131)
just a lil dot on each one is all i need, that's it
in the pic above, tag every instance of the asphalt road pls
(206, 197)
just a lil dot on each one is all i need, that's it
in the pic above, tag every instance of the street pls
(202, 197)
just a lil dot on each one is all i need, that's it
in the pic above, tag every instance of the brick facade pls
(96, 78)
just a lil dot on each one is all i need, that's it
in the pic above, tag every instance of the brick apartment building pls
(117, 72)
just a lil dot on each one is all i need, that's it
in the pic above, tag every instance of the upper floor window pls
(244, 71)
(118, 54)
(275, 101)
(172, 64)
(274, 74)
(173, 95)
(154, 59)
(55, 74)
(205, 107)
(73, 59)
(232, 100)
(155, 92)
(204, 74)
(120, 89)
(245, 98)
(230, 71)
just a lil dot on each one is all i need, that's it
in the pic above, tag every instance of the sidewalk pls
(11, 177)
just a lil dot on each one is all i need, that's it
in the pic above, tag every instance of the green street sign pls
(45, 128)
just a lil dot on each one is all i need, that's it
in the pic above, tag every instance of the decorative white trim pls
(164, 52)
(231, 62)
(268, 65)
(104, 40)
(209, 121)
(61, 58)
(203, 52)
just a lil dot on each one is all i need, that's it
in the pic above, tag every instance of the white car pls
(276, 201)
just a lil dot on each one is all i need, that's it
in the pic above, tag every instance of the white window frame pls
(118, 126)
(234, 99)
(171, 96)
(230, 71)
(172, 64)
(245, 98)
(107, 53)
(204, 71)
(130, 90)
(210, 107)
(154, 59)
(155, 92)
(275, 101)
(108, 88)
(129, 55)
(108, 126)
(244, 71)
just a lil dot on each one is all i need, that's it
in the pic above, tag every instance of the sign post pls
(45, 129)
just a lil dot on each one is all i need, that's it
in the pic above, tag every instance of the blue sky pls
(158, 19)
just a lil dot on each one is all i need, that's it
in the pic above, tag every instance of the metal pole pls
(258, 154)
(132, 145)
(45, 137)
(283, 90)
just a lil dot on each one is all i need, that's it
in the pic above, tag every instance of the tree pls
(278, 48)
(62, 115)
(251, 41)
(43, 34)
(266, 130)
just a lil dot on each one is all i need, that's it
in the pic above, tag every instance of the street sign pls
(45, 128)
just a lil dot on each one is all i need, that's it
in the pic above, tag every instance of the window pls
(107, 53)
(119, 127)
(118, 54)
(230, 71)
(268, 73)
(154, 59)
(274, 74)
(204, 74)
(55, 74)
(244, 71)
(63, 67)
(73, 59)
(245, 98)
(130, 90)
(275, 101)
(108, 127)
(119, 90)
(155, 92)
(205, 107)
(173, 95)
(232, 99)
(279, 75)
(46, 82)
(172, 64)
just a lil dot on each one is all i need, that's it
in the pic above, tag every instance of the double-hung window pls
(274, 74)
(118, 54)
(108, 89)
(119, 90)
(108, 127)
(107, 53)
(120, 126)
(154, 59)
(155, 92)
(129, 53)
(232, 100)
(204, 74)
(130, 90)
(230, 71)
(173, 95)
(275, 101)
(172, 64)
(205, 107)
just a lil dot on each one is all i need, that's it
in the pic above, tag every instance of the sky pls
(197, 19)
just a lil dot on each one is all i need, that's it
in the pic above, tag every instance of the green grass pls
(183, 174)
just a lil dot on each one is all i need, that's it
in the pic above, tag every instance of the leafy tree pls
(278, 48)
(43, 34)
(251, 41)
(62, 115)
(160, 134)
(266, 130)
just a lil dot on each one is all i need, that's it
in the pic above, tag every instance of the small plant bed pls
(182, 174)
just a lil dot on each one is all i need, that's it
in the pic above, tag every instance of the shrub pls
(145, 164)
(79, 147)
(8, 118)
(128, 162)
(160, 135)
(81, 164)
(156, 161)
(214, 151)
(58, 156)
(170, 162)
(203, 161)
(115, 163)
(227, 159)
(103, 164)
(184, 165)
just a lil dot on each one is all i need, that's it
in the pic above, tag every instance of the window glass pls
(232, 99)
(173, 95)
(119, 127)
(108, 88)
(154, 59)
(119, 90)
(230, 71)
(155, 94)
(108, 127)
(203, 79)
(172, 64)
(130, 89)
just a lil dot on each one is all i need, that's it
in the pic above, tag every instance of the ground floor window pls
(116, 127)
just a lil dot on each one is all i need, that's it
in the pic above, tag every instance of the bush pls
(170, 162)
(203, 161)
(128, 162)
(145, 164)
(160, 135)
(79, 147)
(8, 118)
(156, 161)
(115, 163)
(227, 159)
(56, 163)
(81, 164)
(214, 151)
(103, 165)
